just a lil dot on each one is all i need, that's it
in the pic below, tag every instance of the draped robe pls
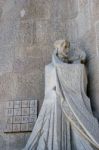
(66, 121)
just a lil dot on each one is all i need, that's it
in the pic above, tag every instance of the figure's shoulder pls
(77, 56)
(81, 52)
(49, 68)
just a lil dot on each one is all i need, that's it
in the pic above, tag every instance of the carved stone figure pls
(62, 47)
(69, 55)
(76, 56)
(66, 121)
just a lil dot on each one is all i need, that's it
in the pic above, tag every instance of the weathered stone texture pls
(28, 29)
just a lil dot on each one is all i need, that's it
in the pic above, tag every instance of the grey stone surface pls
(20, 116)
(66, 111)
(28, 29)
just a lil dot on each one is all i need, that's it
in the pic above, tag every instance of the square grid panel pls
(21, 115)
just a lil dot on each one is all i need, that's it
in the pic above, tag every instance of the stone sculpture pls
(62, 47)
(69, 55)
(66, 121)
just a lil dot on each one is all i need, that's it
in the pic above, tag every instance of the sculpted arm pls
(76, 56)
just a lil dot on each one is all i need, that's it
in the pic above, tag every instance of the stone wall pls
(28, 29)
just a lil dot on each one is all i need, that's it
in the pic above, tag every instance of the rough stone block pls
(29, 85)
(26, 52)
(27, 10)
(30, 126)
(26, 33)
(97, 35)
(9, 120)
(43, 9)
(20, 115)
(83, 21)
(38, 9)
(17, 104)
(95, 10)
(33, 103)
(8, 31)
(64, 9)
(25, 119)
(9, 104)
(15, 141)
(8, 128)
(34, 51)
(8, 86)
(82, 3)
(9, 112)
(25, 111)
(24, 127)
(33, 110)
(32, 118)
(16, 119)
(47, 53)
(17, 111)
(27, 65)
(6, 58)
(42, 31)
(25, 103)
(16, 127)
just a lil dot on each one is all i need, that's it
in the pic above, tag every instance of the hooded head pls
(62, 47)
